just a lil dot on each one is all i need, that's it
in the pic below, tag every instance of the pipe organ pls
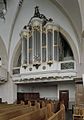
(45, 52)
(41, 41)
(40, 44)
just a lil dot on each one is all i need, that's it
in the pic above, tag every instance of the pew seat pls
(14, 113)
(40, 114)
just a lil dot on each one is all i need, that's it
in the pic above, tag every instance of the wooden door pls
(64, 96)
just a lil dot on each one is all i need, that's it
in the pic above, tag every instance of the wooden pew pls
(16, 112)
(78, 113)
(49, 110)
(6, 105)
(40, 114)
(60, 115)
(12, 108)
(23, 112)
(9, 105)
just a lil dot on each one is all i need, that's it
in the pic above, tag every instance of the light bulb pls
(4, 11)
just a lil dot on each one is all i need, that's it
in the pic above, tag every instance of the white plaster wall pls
(81, 3)
(49, 92)
(8, 92)
(3, 54)
(81, 70)
(68, 86)
(5, 26)
(47, 8)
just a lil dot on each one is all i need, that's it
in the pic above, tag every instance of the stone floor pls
(69, 115)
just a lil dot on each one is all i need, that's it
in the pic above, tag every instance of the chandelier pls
(3, 8)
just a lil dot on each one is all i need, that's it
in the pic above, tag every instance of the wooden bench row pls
(28, 112)
(12, 108)
(16, 112)
(60, 115)
(40, 114)
(43, 114)
(9, 107)
(78, 113)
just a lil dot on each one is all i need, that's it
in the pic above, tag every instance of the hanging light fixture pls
(3, 8)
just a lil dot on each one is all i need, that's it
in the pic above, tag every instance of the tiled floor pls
(69, 115)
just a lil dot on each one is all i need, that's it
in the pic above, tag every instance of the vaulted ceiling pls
(72, 10)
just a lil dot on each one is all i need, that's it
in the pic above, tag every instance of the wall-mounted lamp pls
(83, 78)
(3, 9)
(0, 62)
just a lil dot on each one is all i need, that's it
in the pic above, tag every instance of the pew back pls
(14, 113)
(40, 114)
(12, 108)
(60, 115)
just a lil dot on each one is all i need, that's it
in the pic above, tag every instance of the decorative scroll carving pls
(36, 65)
(38, 15)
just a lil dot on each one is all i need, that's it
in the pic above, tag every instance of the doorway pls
(64, 95)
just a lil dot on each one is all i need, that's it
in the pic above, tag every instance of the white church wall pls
(49, 92)
(81, 71)
(68, 86)
(8, 92)
(3, 54)
(6, 25)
